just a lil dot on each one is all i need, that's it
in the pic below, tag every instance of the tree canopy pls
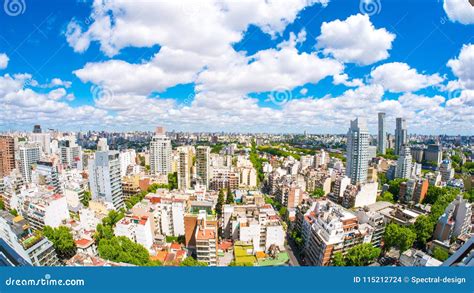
(192, 262)
(220, 202)
(230, 197)
(362, 255)
(62, 240)
(317, 193)
(398, 237)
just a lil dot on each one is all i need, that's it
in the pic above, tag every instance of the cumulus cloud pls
(459, 10)
(22, 105)
(355, 40)
(283, 67)
(3, 61)
(463, 66)
(210, 26)
(398, 77)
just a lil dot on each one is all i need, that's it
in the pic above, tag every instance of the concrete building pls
(360, 195)
(401, 138)
(71, 153)
(446, 170)
(456, 220)
(404, 163)
(104, 178)
(7, 155)
(160, 153)
(34, 248)
(357, 151)
(258, 226)
(203, 165)
(434, 154)
(29, 154)
(43, 140)
(185, 165)
(137, 229)
(382, 134)
(331, 229)
(127, 158)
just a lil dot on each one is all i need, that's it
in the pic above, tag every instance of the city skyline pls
(287, 67)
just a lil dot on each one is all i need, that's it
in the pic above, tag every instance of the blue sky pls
(248, 66)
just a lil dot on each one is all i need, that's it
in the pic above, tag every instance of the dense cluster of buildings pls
(170, 192)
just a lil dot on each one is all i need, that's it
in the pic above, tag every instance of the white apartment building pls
(104, 178)
(29, 154)
(357, 151)
(160, 154)
(259, 226)
(127, 158)
(137, 229)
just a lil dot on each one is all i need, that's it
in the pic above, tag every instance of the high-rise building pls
(456, 220)
(71, 153)
(160, 153)
(357, 151)
(382, 135)
(404, 164)
(34, 248)
(185, 164)
(29, 155)
(202, 165)
(102, 145)
(46, 173)
(434, 154)
(127, 158)
(43, 139)
(104, 178)
(37, 128)
(400, 135)
(446, 170)
(7, 155)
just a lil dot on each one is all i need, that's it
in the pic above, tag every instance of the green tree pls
(86, 198)
(394, 187)
(440, 254)
(338, 260)
(14, 212)
(469, 195)
(230, 197)
(173, 181)
(317, 193)
(220, 202)
(386, 196)
(192, 262)
(362, 255)
(423, 228)
(62, 240)
(433, 194)
(122, 249)
(398, 237)
(2, 205)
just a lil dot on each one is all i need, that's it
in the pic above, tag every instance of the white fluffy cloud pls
(355, 40)
(22, 105)
(207, 27)
(463, 66)
(283, 67)
(3, 61)
(459, 10)
(399, 77)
